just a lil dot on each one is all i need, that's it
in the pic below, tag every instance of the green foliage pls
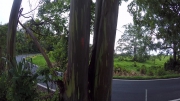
(153, 71)
(47, 42)
(44, 71)
(172, 65)
(24, 43)
(55, 13)
(143, 69)
(172, 75)
(59, 54)
(3, 31)
(120, 70)
(156, 17)
(135, 65)
(160, 72)
(20, 83)
(147, 68)
(3, 87)
(44, 96)
(135, 43)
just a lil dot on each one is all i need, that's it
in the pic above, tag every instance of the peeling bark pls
(102, 58)
(78, 49)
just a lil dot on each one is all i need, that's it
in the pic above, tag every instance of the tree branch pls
(33, 9)
(37, 44)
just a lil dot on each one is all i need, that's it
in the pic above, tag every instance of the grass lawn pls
(129, 65)
(128, 70)
(39, 60)
(147, 77)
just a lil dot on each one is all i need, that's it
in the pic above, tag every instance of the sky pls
(5, 7)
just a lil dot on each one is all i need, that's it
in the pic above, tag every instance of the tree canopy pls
(161, 18)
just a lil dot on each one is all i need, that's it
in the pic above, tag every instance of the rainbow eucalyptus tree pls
(84, 81)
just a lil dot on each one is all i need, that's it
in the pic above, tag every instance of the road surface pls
(146, 90)
(140, 90)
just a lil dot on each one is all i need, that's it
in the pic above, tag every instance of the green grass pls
(39, 60)
(146, 77)
(129, 65)
(146, 70)
(152, 70)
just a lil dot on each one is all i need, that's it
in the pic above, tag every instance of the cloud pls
(5, 8)
(123, 18)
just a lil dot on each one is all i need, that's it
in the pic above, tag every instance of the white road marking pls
(145, 94)
(175, 100)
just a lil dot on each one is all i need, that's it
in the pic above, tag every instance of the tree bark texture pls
(101, 66)
(78, 51)
(174, 55)
(11, 34)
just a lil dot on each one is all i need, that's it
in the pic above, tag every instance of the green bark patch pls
(71, 85)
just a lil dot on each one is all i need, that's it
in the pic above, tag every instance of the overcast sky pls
(5, 8)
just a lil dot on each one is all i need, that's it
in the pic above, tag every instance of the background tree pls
(24, 43)
(3, 31)
(59, 53)
(54, 16)
(162, 19)
(135, 42)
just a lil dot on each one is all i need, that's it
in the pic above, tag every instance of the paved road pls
(146, 90)
(142, 90)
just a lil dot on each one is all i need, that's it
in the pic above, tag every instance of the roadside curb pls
(53, 90)
(149, 79)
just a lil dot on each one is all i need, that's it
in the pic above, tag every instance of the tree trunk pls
(174, 55)
(11, 34)
(135, 49)
(101, 66)
(78, 51)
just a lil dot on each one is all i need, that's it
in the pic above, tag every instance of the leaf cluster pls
(21, 82)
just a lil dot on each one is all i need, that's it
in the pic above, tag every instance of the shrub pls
(143, 69)
(59, 54)
(120, 58)
(120, 71)
(138, 69)
(22, 83)
(150, 71)
(156, 70)
(160, 72)
(135, 65)
(3, 87)
(172, 65)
